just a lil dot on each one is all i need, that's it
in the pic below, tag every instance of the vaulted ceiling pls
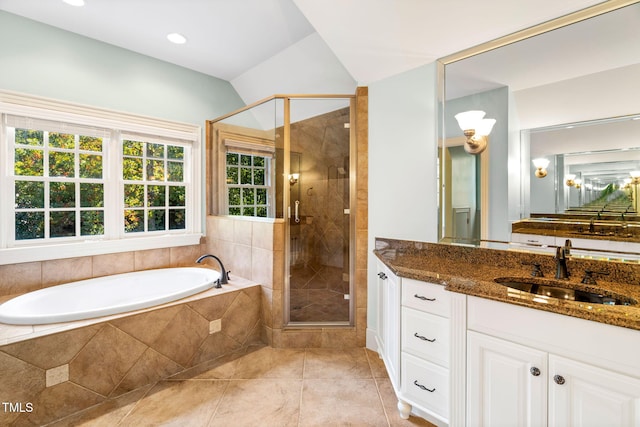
(296, 46)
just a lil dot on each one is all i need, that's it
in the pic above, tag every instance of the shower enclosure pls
(292, 158)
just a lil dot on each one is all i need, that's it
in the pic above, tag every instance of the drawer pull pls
(417, 384)
(423, 298)
(423, 338)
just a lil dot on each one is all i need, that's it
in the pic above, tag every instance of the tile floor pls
(318, 294)
(263, 387)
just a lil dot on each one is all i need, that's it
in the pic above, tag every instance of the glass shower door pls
(319, 227)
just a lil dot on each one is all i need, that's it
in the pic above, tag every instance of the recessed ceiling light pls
(176, 38)
(74, 2)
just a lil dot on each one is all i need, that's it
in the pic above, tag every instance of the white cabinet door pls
(584, 395)
(506, 383)
(390, 325)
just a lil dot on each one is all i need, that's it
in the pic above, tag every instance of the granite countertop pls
(573, 228)
(472, 271)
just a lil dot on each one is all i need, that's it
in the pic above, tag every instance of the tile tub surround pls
(69, 371)
(471, 271)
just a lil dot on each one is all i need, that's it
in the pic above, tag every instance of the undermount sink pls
(562, 291)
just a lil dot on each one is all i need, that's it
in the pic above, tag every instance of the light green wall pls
(402, 166)
(42, 60)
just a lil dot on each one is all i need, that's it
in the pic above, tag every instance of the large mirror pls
(569, 95)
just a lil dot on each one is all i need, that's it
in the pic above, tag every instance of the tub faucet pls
(224, 274)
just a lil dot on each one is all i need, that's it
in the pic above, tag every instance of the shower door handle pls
(297, 217)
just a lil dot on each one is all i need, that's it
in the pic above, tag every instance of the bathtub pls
(103, 296)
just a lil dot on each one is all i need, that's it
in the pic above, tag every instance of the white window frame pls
(114, 240)
(250, 149)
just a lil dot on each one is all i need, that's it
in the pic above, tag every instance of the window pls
(154, 187)
(94, 184)
(247, 189)
(58, 179)
(248, 177)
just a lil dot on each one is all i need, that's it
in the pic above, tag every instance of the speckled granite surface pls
(472, 271)
(602, 230)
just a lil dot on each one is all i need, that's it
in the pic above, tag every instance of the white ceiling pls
(231, 39)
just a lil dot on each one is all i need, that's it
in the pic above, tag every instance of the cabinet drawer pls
(425, 335)
(425, 296)
(426, 385)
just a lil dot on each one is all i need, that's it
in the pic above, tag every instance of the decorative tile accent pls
(55, 376)
(215, 326)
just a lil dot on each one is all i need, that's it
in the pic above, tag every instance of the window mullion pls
(113, 187)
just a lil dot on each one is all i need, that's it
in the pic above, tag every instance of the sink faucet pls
(224, 274)
(562, 253)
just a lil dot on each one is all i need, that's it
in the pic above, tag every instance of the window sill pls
(94, 247)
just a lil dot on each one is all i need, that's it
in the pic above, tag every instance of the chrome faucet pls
(562, 253)
(224, 274)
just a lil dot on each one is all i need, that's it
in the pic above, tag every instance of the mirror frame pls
(563, 21)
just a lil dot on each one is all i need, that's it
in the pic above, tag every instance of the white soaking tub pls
(103, 296)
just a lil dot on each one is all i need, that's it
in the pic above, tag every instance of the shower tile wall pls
(63, 373)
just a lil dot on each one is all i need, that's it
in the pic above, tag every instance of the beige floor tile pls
(177, 403)
(377, 364)
(390, 402)
(271, 363)
(259, 402)
(106, 414)
(336, 363)
(344, 402)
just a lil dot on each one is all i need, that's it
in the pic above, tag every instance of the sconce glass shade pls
(470, 119)
(540, 163)
(635, 177)
(484, 127)
(577, 182)
(541, 166)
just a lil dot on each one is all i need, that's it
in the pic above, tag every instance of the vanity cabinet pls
(524, 369)
(388, 325)
(432, 359)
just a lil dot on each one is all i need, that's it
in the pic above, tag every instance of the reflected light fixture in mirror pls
(635, 177)
(293, 178)
(578, 183)
(570, 177)
(476, 128)
(541, 166)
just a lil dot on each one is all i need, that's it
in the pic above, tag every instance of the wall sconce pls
(635, 177)
(476, 128)
(578, 183)
(293, 178)
(626, 184)
(541, 167)
(570, 177)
